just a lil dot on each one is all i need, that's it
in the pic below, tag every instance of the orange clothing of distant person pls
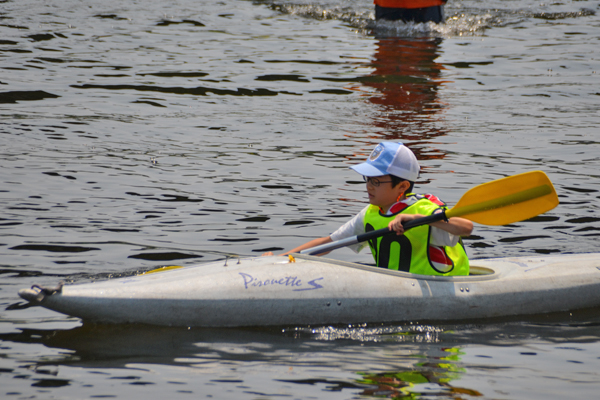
(409, 3)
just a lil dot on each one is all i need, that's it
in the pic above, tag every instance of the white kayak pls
(307, 290)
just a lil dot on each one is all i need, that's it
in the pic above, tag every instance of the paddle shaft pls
(363, 237)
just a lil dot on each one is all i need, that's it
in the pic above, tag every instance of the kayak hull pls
(274, 291)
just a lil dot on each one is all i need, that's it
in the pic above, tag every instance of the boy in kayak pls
(435, 249)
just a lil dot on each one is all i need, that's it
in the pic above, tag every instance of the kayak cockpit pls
(475, 270)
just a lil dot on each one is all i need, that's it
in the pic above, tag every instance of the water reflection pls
(403, 86)
(407, 79)
(438, 369)
(123, 344)
(389, 361)
(412, 352)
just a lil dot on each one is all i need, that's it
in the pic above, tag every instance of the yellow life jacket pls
(412, 252)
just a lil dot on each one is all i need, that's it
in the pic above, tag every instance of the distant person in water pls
(410, 10)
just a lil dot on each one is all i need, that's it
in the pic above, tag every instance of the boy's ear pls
(404, 185)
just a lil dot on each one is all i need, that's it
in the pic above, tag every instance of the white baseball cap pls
(390, 158)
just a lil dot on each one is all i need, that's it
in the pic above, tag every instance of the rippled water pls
(140, 134)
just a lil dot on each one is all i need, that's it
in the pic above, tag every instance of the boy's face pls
(383, 195)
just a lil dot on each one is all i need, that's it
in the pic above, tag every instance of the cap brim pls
(366, 169)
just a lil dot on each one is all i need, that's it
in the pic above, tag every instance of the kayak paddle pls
(500, 202)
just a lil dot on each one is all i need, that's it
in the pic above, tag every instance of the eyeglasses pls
(374, 181)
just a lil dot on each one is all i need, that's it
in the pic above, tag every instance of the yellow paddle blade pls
(519, 197)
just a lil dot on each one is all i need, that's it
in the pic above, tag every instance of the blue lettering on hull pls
(293, 282)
